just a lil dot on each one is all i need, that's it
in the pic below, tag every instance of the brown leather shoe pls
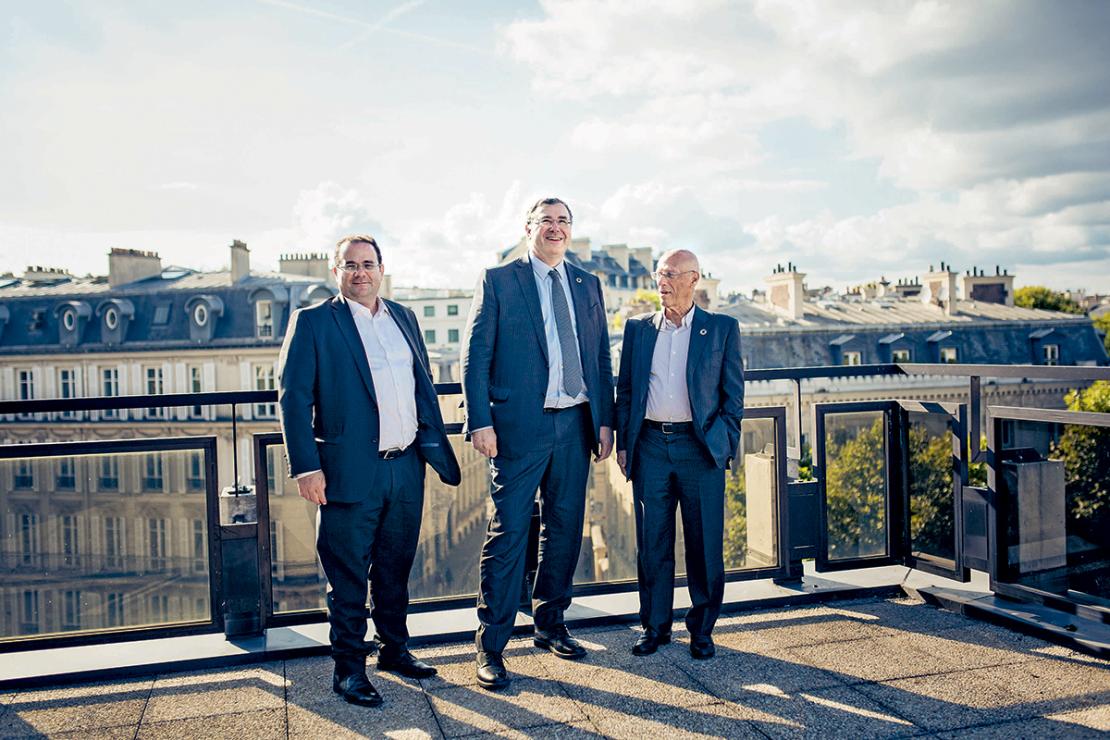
(356, 689)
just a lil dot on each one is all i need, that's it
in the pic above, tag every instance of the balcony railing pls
(890, 480)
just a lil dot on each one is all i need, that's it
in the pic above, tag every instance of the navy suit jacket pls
(505, 364)
(329, 412)
(714, 381)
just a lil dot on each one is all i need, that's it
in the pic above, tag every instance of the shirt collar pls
(543, 270)
(357, 309)
(687, 320)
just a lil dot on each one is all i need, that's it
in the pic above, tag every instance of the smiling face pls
(362, 285)
(548, 232)
(677, 274)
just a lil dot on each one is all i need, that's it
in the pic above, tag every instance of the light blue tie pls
(572, 364)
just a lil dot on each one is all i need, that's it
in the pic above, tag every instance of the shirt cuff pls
(303, 475)
(479, 429)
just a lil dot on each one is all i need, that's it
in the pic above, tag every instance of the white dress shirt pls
(390, 361)
(557, 397)
(668, 398)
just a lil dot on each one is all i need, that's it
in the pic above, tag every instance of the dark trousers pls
(669, 471)
(375, 536)
(560, 472)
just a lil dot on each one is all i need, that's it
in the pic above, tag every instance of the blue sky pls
(854, 139)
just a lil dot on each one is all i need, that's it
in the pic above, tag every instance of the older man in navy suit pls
(360, 418)
(680, 399)
(539, 398)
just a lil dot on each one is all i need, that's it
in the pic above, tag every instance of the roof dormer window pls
(200, 314)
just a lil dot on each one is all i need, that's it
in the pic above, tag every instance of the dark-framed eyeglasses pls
(352, 267)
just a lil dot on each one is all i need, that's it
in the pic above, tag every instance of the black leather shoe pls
(649, 642)
(356, 689)
(559, 641)
(701, 647)
(491, 671)
(404, 663)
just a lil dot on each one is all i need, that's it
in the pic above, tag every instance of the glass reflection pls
(931, 471)
(856, 484)
(95, 542)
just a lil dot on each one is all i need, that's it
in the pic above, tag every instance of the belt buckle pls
(666, 427)
(391, 454)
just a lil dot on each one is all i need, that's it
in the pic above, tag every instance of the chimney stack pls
(939, 289)
(786, 291)
(128, 265)
(315, 265)
(240, 261)
(978, 286)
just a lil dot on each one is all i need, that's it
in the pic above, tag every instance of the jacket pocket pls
(497, 393)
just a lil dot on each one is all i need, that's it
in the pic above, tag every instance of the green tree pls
(1038, 296)
(1085, 451)
(932, 522)
(645, 296)
(855, 492)
(1102, 323)
(736, 518)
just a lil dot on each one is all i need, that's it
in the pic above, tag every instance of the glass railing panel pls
(103, 542)
(856, 477)
(1053, 478)
(932, 526)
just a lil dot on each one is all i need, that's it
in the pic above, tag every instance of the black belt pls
(393, 453)
(554, 410)
(671, 427)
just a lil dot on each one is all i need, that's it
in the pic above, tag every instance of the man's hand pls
(606, 443)
(312, 486)
(622, 460)
(485, 441)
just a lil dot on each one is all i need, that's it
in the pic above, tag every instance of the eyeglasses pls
(668, 275)
(352, 267)
(547, 221)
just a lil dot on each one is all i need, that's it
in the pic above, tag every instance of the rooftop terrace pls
(862, 668)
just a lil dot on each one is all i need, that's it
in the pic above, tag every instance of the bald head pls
(676, 273)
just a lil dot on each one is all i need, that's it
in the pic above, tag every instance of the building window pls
(66, 477)
(429, 336)
(111, 318)
(69, 319)
(901, 355)
(70, 538)
(200, 314)
(108, 479)
(194, 472)
(429, 311)
(113, 610)
(155, 387)
(161, 314)
(71, 610)
(452, 309)
(264, 381)
(851, 358)
(113, 542)
(271, 472)
(25, 387)
(152, 477)
(1050, 353)
(24, 477)
(196, 385)
(200, 548)
(453, 336)
(948, 355)
(264, 318)
(29, 613)
(109, 386)
(29, 538)
(156, 543)
(67, 388)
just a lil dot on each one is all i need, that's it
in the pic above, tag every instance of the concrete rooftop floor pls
(865, 668)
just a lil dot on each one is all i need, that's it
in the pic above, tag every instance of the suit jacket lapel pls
(527, 282)
(581, 295)
(347, 329)
(400, 318)
(645, 350)
(699, 339)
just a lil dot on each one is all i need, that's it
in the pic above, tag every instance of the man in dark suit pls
(680, 399)
(539, 398)
(360, 418)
